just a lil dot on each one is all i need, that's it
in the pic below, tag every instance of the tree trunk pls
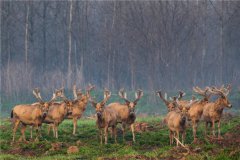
(26, 37)
(70, 45)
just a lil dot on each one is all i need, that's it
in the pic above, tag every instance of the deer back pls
(122, 111)
(28, 114)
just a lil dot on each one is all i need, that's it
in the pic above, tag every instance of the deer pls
(212, 111)
(171, 104)
(176, 121)
(106, 117)
(126, 112)
(196, 110)
(31, 114)
(79, 105)
(57, 113)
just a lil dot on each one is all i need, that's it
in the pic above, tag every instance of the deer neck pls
(101, 120)
(131, 118)
(218, 106)
(183, 119)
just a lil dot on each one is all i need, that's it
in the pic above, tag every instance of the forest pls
(132, 44)
(73, 71)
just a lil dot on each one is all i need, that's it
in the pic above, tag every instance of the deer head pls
(223, 93)
(45, 105)
(99, 106)
(68, 102)
(171, 104)
(131, 105)
(181, 94)
(184, 109)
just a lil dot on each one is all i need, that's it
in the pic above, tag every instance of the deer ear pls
(127, 103)
(180, 107)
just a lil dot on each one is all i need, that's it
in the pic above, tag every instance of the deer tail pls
(12, 114)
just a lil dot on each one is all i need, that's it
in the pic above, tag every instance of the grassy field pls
(151, 144)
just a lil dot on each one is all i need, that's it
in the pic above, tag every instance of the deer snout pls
(229, 106)
(99, 114)
(69, 112)
(44, 114)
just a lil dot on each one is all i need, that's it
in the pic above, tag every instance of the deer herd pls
(180, 111)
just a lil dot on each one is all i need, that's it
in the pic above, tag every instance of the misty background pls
(152, 45)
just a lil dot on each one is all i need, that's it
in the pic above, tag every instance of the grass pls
(152, 144)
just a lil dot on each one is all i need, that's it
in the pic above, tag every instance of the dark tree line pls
(147, 44)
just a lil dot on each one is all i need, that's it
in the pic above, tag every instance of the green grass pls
(152, 144)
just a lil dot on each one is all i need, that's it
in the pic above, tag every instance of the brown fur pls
(106, 117)
(212, 112)
(125, 112)
(79, 106)
(56, 114)
(176, 121)
(32, 115)
(171, 104)
(195, 112)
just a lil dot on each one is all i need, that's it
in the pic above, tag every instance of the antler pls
(89, 88)
(222, 91)
(76, 93)
(62, 95)
(201, 91)
(36, 93)
(159, 93)
(94, 103)
(216, 91)
(181, 94)
(227, 89)
(123, 95)
(107, 95)
(138, 95)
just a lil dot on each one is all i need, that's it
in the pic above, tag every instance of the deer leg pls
(106, 134)
(177, 136)
(183, 137)
(213, 127)
(49, 129)
(170, 137)
(31, 131)
(133, 133)
(40, 131)
(219, 132)
(23, 133)
(56, 130)
(74, 125)
(16, 124)
(100, 135)
(123, 130)
(114, 131)
(194, 131)
(206, 128)
(37, 131)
